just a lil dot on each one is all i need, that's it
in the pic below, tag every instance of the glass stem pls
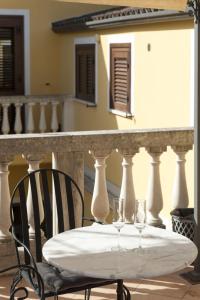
(119, 234)
(140, 239)
(118, 255)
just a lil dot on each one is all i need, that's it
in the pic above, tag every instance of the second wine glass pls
(117, 217)
(140, 218)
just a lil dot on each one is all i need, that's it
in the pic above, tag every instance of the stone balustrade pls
(68, 151)
(31, 114)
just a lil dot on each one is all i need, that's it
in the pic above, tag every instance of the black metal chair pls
(45, 279)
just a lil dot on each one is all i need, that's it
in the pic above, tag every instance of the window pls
(11, 55)
(120, 77)
(85, 72)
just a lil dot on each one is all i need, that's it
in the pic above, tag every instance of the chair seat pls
(57, 281)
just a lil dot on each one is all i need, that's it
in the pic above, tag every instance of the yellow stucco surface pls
(162, 77)
(162, 95)
(45, 46)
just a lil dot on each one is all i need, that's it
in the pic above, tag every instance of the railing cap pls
(94, 140)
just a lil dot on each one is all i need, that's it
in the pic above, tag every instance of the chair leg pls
(127, 295)
(120, 290)
(87, 294)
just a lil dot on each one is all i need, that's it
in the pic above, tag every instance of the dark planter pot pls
(183, 221)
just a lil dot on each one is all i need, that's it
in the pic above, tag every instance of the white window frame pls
(121, 39)
(26, 14)
(83, 41)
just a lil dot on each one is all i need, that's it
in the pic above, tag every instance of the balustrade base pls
(5, 240)
(129, 222)
(8, 256)
(162, 226)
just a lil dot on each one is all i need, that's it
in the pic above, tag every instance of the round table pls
(92, 251)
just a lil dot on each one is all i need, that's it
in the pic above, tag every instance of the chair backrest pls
(38, 186)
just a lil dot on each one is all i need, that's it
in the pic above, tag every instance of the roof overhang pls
(161, 4)
(118, 17)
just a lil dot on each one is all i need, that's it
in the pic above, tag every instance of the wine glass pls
(117, 217)
(140, 218)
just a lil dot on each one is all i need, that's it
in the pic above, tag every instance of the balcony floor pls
(170, 287)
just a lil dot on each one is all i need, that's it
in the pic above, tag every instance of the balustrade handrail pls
(33, 98)
(95, 140)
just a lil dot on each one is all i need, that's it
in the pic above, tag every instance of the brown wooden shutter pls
(11, 55)
(85, 72)
(120, 76)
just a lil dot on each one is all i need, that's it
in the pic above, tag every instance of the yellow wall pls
(161, 77)
(18, 170)
(162, 95)
(45, 63)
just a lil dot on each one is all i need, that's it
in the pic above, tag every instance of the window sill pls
(88, 104)
(121, 113)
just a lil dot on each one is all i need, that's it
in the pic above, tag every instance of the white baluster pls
(154, 192)
(68, 118)
(180, 197)
(54, 116)
(18, 121)
(34, 162)
(30, 123)
(42, 123)
(4, 199)
(100, 202)
(5, 123)
(127, 189)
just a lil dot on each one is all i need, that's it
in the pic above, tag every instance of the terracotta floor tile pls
(143, 295)
(171, 287)
(193, 293)
(191, 297)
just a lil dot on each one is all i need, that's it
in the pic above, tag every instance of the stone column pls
(72, 163)
(54, 116)
(30, 122)
(42, 123)
(4, 199)
(100, 202)
(34, 164)
(5, 123)
(154, 192)
(180, 193)
(127, 188)
(18, 121)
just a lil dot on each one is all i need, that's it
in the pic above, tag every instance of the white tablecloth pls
(92, 251)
